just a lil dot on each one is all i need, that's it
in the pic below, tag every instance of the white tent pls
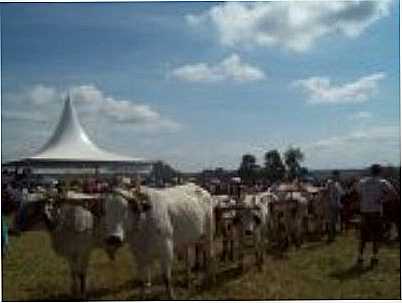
(70, 146)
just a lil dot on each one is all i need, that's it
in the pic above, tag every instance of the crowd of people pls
(372, 193)
(373, 198)
(17, 188)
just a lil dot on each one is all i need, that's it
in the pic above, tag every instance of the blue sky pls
(198, 84)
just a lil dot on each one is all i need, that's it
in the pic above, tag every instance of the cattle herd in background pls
(204, 225)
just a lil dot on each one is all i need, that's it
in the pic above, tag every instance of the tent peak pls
(71, 143)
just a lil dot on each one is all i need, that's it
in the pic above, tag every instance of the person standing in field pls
(335, 192)
(373, 192)
(4, 236)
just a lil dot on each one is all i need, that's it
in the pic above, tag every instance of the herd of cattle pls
(183, 221)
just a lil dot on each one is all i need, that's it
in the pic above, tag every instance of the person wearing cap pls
(335, 192)
(373, 192)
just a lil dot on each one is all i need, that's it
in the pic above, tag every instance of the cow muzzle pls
(248, 232)
(113, 243)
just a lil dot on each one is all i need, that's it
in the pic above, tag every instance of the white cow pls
(255, 213)
(158, 220)
(289, 216)
(252, 218)
(297, 216)
(225, 215)
(74, 232)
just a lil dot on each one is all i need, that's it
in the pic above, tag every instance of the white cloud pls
(294, 25)
(358, 148)
(87, 94)
(360, 116)
(373, 134)
(142, 116)
(108, 121)
(321, 90)
(39, 101)
(30, 116)
(231, 68)
(41, 94)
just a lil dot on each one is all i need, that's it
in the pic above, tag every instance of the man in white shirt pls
(373, 192)
(335, 192)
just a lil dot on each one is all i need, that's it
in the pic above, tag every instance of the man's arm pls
(390, 192)
(340, 189)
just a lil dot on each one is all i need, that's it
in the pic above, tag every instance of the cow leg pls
(256, 249)
(241, 253)
(83, 275)
(321, 227)
(82, 280)
(166, 266)
(144, 272)
(74, 272)
(261, 258)
(145, 276)
(259, 252)
(231, 250)
(298, 237)
(204, 258)
(74, 285)
(283, 238)
(224, 249)
(197, 265)
(188, 267)
(210, 271)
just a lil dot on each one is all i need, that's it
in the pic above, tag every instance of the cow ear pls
(133, 204)
(50, 218)
(137, 184)
(47, 210)
(146, 206)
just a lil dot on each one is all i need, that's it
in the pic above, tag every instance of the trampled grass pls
(316, 271)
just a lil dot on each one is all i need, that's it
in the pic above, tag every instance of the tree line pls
(276, 167)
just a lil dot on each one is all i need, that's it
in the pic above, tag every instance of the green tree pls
(293, 157)
(274, 169)
(248, 170)
(304, 171)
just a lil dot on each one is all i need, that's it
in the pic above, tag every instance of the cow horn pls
(132, 201)
(137, 184)
(143, 200)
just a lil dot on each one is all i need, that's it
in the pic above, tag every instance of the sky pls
(199, 84)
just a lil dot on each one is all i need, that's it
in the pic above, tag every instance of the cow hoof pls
(171, 295)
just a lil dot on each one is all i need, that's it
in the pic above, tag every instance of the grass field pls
(316, 271)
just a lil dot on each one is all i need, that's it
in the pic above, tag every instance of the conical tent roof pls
(70, 143)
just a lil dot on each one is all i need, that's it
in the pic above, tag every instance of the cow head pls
(139, 202)
(278, 214)
(249, 219)
(123, 209)
(116, 212)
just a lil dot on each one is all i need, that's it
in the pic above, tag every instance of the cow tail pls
(211, 270)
